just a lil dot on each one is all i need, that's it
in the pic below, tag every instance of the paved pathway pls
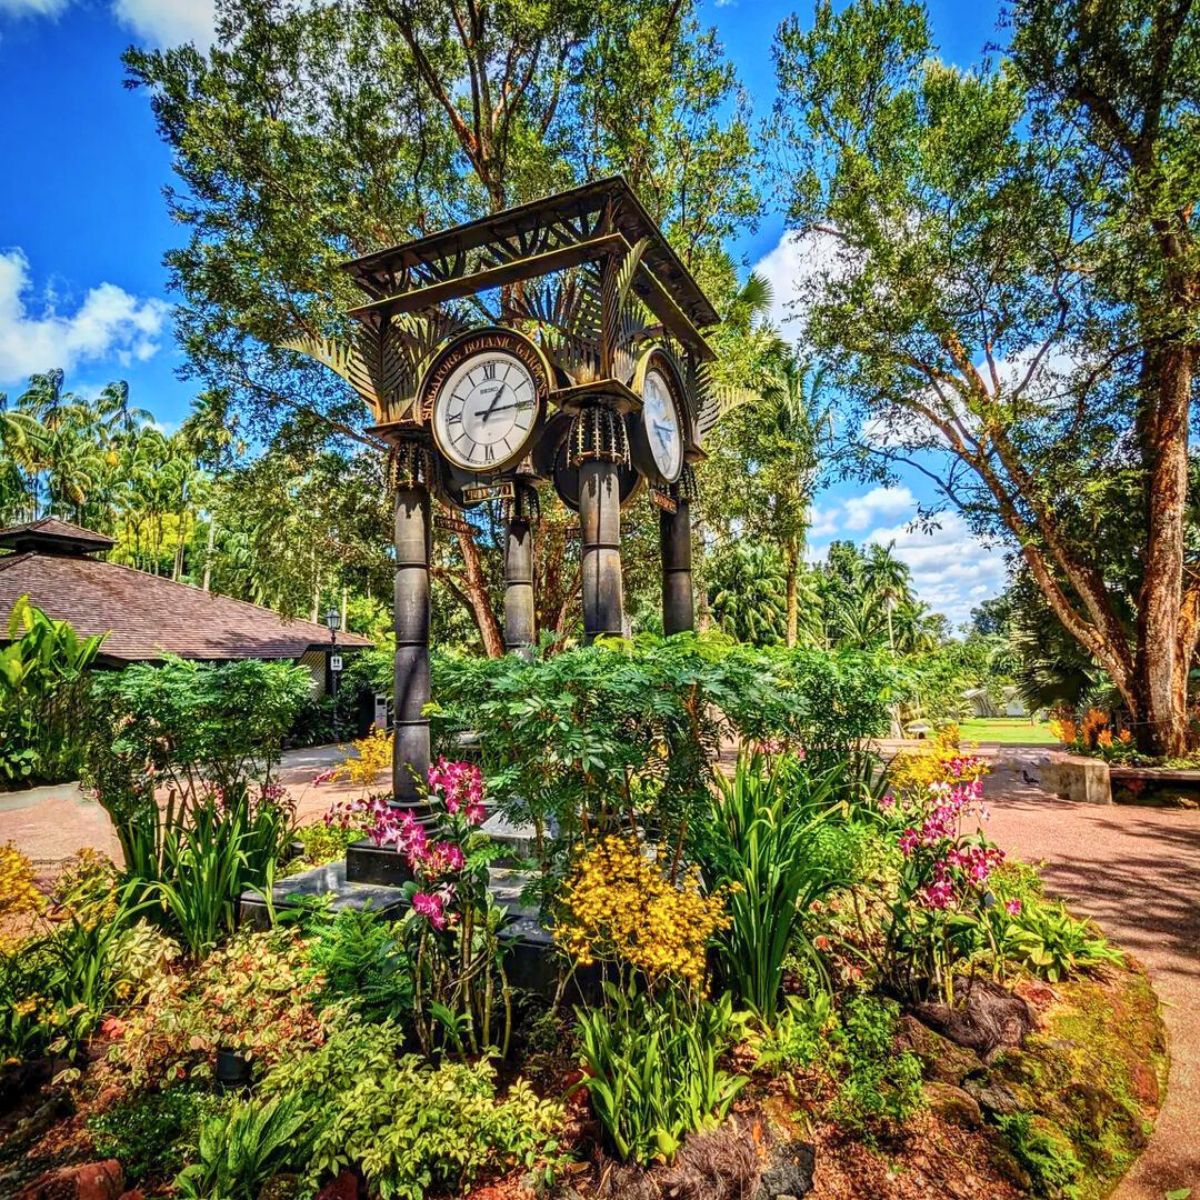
(1136, 872)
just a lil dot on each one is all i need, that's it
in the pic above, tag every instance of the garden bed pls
(802, 976)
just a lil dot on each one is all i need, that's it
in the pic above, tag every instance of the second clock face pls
(660, 418)
(486, 411)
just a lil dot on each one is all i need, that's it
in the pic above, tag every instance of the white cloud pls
(169, 22)
(108, 324)
(952, 570)
(796, 262)
(878, 502)
(32, 8)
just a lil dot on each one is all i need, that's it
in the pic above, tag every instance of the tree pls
(746, 592)
(1011, 292)
(313, 132)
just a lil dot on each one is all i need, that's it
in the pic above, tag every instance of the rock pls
(92, 1181)
(136, 1194)
(994, 1098)
(344, 1187)
(789, 1174)
(953, 1104)
(941, 1059)
(992, 1019)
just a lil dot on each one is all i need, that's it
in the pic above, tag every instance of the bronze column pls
(519, 616)
(413, 548)
(600, 533)
(675, 540)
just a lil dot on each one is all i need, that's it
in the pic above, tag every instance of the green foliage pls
(880, 1088)
(800, 1035)
(1048, 1157)
(632, 727)
(322, 843)
(209, 736)
(747, 591)
(651, 1069)
(413, 1128)
(240, 1150)
(769, 839)
(363, 964)
(1042, 938)
(55, 987)
(44, 677)
(152, 1133)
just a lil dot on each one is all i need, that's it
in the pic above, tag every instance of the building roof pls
(147, 616)
(52, 536)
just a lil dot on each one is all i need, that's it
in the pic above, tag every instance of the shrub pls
(413, 1129)
(258, 995)
(44, 676)
(627, 731)
(1051, 1162)
(362, 963)
(209, 736)
(152, 1134)
(766, 843)
(880, 1088)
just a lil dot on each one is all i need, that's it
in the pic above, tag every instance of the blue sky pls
(83, 228)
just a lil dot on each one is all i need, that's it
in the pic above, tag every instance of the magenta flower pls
(460, 786)
(443, 858)
(430, 906)
(1012, 907)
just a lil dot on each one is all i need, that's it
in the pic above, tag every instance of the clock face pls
(485, 412)
(660, 418)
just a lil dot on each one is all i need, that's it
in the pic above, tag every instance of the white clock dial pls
(485, 411)
(660, 418)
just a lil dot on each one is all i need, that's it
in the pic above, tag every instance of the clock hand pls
(506, 407)
(491, 408)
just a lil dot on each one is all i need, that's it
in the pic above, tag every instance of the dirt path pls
(1136, 871)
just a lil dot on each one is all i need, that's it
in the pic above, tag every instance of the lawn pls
(1008, 731)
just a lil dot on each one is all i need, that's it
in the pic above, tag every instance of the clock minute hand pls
(491, 408)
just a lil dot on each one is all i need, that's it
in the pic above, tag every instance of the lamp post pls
(333, 622)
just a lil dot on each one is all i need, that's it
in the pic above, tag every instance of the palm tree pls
(886, 580)
(747, 592)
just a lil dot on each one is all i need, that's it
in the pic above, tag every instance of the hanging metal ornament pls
(525, 505)
(598, 435)
(410, 464)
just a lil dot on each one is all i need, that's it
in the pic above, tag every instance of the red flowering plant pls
(461, 998)
(936, 928)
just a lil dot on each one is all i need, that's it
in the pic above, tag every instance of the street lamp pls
(333, 622)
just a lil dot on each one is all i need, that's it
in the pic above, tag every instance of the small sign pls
(335, 662)
(381, 711)
(451, 524)
(663, 501)
(489, 491)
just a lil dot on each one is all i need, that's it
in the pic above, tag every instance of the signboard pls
(451, 524)
(663, 501)
(335, 662)
(473, 493)
(381, 711)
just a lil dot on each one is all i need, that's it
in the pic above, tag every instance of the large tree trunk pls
(479, 597)
(1163, 656)
(793, 610)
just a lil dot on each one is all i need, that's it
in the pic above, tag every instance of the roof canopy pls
(52, 536)
(145, 616)
(582, 225)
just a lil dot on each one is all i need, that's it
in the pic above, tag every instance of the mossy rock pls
(1087, 1085)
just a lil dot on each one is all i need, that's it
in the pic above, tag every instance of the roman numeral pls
(455, 418)
(489, 455)
(489, 370)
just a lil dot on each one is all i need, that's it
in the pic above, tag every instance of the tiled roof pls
(52, 530)
(147, 616)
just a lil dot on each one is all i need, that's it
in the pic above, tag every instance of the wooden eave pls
(375, 272)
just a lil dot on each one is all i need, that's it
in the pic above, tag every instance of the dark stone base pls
(329, 880)
(530, 962)
(368, 863)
